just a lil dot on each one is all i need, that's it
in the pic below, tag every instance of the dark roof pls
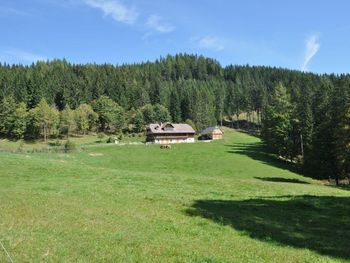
(210, 130)
(170, 128)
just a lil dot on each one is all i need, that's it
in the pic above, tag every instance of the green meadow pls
(222, 201)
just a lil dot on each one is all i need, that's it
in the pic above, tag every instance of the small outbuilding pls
(212, 133)
(166, 133)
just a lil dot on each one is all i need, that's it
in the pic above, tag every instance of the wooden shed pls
(211, 133)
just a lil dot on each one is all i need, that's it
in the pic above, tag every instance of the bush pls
(100, 136)
(111, 139)
(69, 146)
(21, 146)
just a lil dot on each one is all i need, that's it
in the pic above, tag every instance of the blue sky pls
(305, 35)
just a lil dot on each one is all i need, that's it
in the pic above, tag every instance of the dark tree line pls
(304, 117)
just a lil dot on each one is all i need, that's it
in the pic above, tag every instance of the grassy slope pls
(223, 201)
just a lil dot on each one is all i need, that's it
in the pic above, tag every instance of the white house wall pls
(173, 141)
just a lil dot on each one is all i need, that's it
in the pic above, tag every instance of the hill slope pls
(224, 201)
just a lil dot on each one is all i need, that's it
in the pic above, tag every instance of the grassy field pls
(223, 201)
(81, 141)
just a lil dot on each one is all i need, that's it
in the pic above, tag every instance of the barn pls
(211, 133)
(166, 133)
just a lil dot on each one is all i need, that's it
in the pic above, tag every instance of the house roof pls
(170, 128)
(210, 130)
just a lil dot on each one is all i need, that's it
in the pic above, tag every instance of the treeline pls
(17, 121)
(304, 116)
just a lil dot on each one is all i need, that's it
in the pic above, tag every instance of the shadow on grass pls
(318, 223)
(281, 180)
(258, 151)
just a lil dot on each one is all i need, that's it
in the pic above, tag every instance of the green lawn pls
(223, 201)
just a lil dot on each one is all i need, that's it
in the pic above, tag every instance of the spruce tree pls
(139, 122)
(7, 110)
(277, 123)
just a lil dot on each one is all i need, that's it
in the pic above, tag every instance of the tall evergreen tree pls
(277, 123)
(7, 110)
(161, 114)
(139, 121)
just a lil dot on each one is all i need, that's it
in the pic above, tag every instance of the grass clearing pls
(81, 141)
(223, 201)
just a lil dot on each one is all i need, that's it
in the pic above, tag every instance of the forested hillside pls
(305, 117)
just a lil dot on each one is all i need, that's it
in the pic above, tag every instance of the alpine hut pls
(166, 133)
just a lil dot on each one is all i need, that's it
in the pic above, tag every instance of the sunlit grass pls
(201, 202)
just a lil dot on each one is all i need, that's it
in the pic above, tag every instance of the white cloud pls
(115, 9)
(156, 22)
(210, 42)
(312, 47)
(11, 55)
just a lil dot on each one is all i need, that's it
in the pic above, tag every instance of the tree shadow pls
(258, 151)
(281, 180)
(318, 223)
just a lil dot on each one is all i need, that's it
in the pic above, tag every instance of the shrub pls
(21, 146)
(100, 136)
(69, 146)
(111, 139)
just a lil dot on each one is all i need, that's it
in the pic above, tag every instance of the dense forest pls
(304, 117)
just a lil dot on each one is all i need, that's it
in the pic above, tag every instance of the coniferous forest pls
(304, 117)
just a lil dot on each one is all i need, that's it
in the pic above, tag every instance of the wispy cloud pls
(312, 47)
(118, 11)
(17, 56)
(210, 42)
(156, 22)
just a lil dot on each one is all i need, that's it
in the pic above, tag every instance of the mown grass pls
(223, 201)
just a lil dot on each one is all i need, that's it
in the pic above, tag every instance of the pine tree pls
(175, 106)
(148, 114)
(7, 110)
(161, 114)
(139, 122)
(277, 123)
(118, 118)
(342, 144)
